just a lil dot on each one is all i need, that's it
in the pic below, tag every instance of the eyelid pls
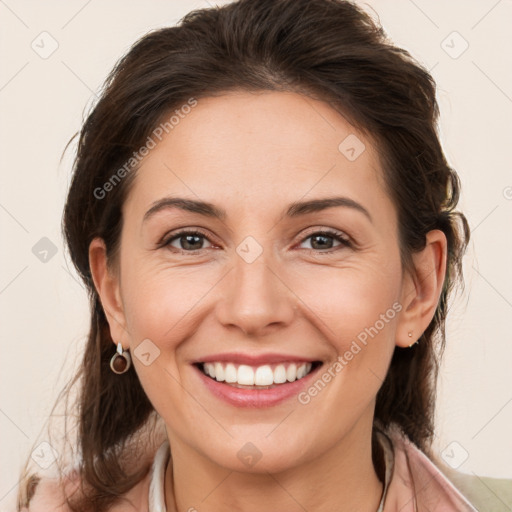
(324, 230)
(169, 237)
(341, 236)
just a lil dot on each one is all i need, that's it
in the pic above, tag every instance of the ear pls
(421, 289)
(107, 286)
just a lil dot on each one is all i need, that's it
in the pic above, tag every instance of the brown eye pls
(187, 241)
(324, 240)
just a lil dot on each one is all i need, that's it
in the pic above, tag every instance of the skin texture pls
(253, 154)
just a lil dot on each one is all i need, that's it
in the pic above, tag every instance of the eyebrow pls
(295, 209)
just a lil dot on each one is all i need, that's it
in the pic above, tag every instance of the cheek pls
(159, 303)
(163, 307)
(356, 311)
(358, 303)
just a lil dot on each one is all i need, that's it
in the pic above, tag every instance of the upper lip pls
(254, 359)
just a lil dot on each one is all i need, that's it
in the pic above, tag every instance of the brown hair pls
(327, 49)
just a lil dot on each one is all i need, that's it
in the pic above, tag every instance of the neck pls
(342, 479)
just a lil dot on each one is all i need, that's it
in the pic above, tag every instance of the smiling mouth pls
(265, 376)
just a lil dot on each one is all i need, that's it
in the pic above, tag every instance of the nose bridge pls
(255, 296)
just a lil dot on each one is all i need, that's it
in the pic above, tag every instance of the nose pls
(255, 298)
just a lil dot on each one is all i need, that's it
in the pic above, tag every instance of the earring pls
(121, 360)
(410, 336)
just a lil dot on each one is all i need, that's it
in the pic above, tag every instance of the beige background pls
(43, 307)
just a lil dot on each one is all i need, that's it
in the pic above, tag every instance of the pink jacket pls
(418, 485)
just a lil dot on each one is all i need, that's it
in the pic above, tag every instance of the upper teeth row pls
(259, 376)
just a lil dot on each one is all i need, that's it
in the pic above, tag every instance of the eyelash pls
(338, 236)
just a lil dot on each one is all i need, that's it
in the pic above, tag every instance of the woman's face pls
(274, 282)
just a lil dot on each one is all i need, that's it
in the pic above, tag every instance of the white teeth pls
(280, 374)
(245, 375)
(230, 374)
(219, 372)
(209, 369)
(264, 376)
(291, 373)
(256, 376)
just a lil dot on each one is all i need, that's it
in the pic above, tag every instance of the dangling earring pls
(121, 360)
(410, 336)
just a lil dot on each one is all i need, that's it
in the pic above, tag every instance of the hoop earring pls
(121, 360)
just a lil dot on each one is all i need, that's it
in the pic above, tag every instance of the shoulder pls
(467, 492)
(489, 494)
(49, 494)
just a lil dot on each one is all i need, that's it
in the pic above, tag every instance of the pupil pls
(188, 242)
(322, 245)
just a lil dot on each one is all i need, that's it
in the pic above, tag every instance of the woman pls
(265, 221)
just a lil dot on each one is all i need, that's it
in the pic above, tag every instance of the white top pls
(156, 485)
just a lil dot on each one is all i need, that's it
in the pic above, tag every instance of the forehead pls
(246, 148)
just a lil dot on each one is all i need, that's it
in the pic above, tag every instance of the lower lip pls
(257, 398)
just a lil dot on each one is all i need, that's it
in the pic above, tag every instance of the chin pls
(256, 454)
